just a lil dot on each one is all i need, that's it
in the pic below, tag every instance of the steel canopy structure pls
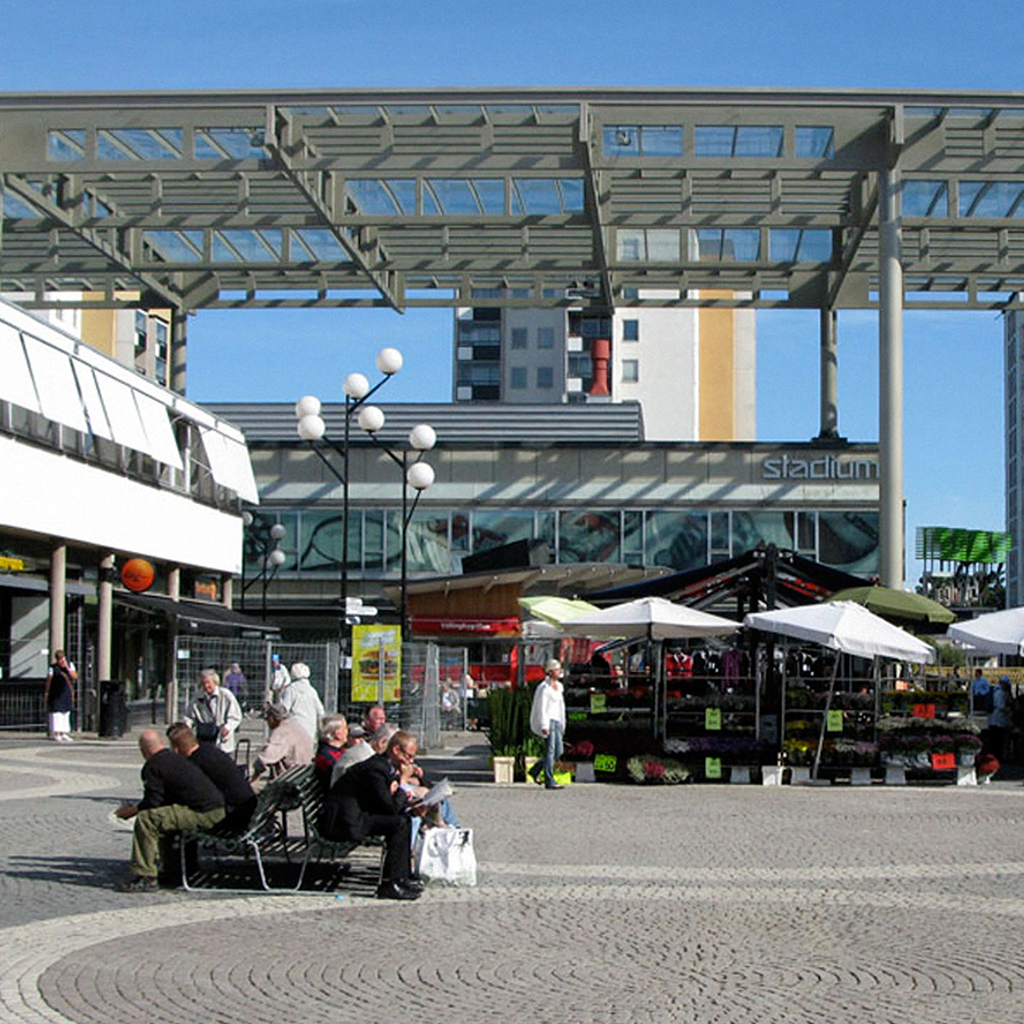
(524, 197)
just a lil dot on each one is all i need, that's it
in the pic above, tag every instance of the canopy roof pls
(995, 633)
(896, 604)
(528, 197)
(843, 626)
(650, 617)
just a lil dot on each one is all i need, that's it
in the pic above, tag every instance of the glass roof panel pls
(403, 192)
(221, 252)
(230, 143)
(663, 245)
(371, 197)
(790, 245)
(661, 140)
(68, 144)
(459, 109)
(16, 208)
(572, 194)
(713, 140)
(815, 141)
(925, 198)
(539, 196)
(323, 246)
(455, 196)
(992, 199)
(138, 143)
(758, 140)
(176, 246)
(928, 112)
(630, 245)
(731, 244)
(491, 193)
(409, 111)
(254, 246)
(559, 109)
(621, 140)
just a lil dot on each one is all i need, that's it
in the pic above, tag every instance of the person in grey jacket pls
(217, 706)
(301, 701)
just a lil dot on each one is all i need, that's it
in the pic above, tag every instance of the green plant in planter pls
(503, 732)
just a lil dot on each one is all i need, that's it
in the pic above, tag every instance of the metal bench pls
(262, 834)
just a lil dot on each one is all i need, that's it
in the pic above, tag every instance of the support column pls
(58, 605)
(829, 376)
(171, 689)
(179, 358)
(105, 620)
(890, 383)
(226, 589)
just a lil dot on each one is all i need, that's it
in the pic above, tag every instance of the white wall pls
(48, 493)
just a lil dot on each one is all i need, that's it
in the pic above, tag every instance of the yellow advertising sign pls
(372, 648)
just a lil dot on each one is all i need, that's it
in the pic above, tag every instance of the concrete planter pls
(504, 769)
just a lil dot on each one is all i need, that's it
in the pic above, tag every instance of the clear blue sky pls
(953, 397)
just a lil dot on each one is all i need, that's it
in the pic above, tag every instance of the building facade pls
(581, 479)
(1013, 321)
(691, 370)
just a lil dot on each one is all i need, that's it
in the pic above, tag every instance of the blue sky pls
(953, 361)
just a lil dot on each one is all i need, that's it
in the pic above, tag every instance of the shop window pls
(589, 536)
(678, 540)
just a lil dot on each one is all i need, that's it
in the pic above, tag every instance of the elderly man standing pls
(216, 708)
(287, 746)
(176, 796)
(301, 701)
(547, 718)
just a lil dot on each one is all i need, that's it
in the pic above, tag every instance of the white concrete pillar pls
(105, 619)
(829, 376)
(890, 382)
(226, 589)
(171, 689)
(58, 606)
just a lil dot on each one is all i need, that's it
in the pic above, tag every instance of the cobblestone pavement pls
(596, 904)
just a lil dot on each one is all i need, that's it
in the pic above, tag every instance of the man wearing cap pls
(278, 676)
(547, 718)
(287, 745)
(301, 701)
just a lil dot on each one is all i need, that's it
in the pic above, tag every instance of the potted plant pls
(503, 733)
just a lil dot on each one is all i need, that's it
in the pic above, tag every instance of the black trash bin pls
(113, 709)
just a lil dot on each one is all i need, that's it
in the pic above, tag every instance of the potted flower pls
(503, 734)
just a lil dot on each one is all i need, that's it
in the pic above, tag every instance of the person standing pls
(999, 720)
(301, 701)
(217, 708)
(547, 718)
(279, 678)
(59, 697)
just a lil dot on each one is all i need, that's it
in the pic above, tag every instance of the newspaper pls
(438, 792)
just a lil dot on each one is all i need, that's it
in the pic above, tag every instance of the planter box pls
(528, 763)
(860, 776)
(585, 771)
(966, 777)
(800, 775)
(504, 769)
(739, 775)
(895, 776)
(771, 774)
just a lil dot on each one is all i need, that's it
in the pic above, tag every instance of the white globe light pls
(277, 531)
(371, 418)
(423, 437)
(311, 428)
(277, 557)
(420, 476)
(308, 405)
(247, 519)
(356, 386)
(389, 361)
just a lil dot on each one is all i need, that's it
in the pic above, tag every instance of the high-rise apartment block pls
(692, 370)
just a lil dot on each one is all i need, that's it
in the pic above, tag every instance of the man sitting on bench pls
(220, 769)
(368, 801)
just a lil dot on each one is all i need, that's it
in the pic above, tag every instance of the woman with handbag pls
(59, 697)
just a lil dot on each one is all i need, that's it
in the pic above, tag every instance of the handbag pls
(446, 855)
(207, 732)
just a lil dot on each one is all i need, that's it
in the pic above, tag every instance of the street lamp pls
(265, 543)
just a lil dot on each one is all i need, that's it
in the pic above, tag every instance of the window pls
(517, 377)
(630, 330)
(519, 337)
(630, 371)
(545, 377)
(140, 332)
(545, 337)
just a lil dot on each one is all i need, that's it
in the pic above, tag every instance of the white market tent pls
(846, 627)
(995, 633)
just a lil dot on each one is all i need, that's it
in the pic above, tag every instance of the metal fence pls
(253, 657)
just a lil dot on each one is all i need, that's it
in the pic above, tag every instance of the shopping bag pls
(446, 855)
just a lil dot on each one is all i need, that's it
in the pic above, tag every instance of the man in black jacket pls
(176, 796)
(220, 769)
(368, 801)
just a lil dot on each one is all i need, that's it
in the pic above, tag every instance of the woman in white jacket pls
(547, 718)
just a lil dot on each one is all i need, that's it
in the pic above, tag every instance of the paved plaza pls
(598, 903)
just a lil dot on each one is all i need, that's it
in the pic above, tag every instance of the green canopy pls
(896, 604)
(556, 610)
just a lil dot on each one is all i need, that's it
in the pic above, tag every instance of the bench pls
(311, 800)
(297, 789)
(262, 834)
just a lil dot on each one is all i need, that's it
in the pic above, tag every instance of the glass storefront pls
(680, 540)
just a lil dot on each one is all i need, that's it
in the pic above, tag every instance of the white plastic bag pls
(446, 855)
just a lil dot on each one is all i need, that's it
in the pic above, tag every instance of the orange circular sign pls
(137, 574)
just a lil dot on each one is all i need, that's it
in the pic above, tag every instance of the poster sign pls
(712, 767)
(834, 721)
(923, 711)
(943, 762)
(598, 702)
(712, 719)
(605, 763)
(376, 663)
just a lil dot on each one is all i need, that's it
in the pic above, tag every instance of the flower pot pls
(585, 771)
(771, 774)
(504, 769)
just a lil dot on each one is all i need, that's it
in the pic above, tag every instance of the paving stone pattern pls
(597, 903)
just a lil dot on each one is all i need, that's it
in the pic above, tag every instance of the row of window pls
(682, 540)
(665, 245)
(994, 199)
(520, 337)
(661, 140)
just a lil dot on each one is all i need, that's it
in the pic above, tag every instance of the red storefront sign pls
(433, 624)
